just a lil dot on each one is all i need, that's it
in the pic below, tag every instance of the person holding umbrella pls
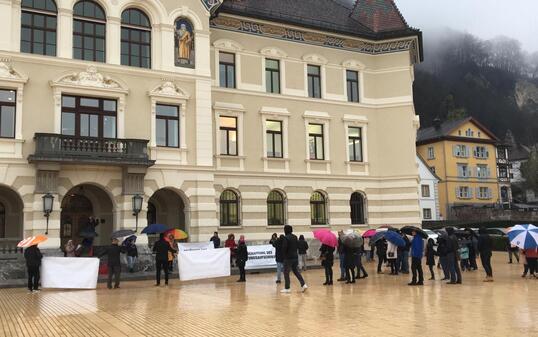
(452, 257)
(341, 258)
(161, 249)
(327, 261)
(392, 256)
(417, 251)
(381, 249)
(33, 258)
(430, 257)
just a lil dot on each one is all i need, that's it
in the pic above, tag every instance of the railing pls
(9, 246)
(55, 147)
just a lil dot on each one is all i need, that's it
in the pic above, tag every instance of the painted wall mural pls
(184, 43)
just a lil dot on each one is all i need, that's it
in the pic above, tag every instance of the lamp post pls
(137, 207)
(48, 202)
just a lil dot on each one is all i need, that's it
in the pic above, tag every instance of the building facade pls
(428, 192)
(222, 116)
(462, 154)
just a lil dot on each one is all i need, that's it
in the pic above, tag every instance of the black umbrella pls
(88, 233)
(410, 229)
(122, 233)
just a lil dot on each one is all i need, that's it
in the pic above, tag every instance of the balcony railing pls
(9, 246)
(61, 148)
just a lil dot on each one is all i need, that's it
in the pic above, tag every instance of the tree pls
(529, 171)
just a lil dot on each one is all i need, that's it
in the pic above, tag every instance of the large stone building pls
(238, 116)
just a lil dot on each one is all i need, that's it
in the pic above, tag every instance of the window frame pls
(423, 188)
(79, 110)
(318, 203)
(168, 118)
(130, 42)
(94, 22)
(227, 130)
(276, 203)
(224, 216)
(355, 139)
(33, 12)
(9, 104)
(273, 134)
(424, 213)
(350, 93)
(269, 72)
(431, 152)
(313, 79)
(360, 206)
(316, 136)
(227, 65)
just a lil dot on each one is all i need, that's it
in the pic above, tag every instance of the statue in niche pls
(184, 43)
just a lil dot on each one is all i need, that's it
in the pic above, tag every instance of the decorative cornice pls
(353, 64)
(273, 52)
(168, 89)
(8, 73)
(90, 78)
(227, 44)
(314, 58)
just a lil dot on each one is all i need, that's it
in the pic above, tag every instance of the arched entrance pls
(168, 207)
(11, 215)
(81, 203)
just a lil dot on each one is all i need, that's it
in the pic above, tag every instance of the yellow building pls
(462, 153)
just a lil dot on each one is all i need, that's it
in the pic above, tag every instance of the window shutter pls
(488, 174)
(458, 192)
(475, 152)
(455, 150)
(470, 193)
(489, 193)
(466, 151)
(487, 154)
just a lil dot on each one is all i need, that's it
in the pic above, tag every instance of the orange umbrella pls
(177, 233)
(32, 240)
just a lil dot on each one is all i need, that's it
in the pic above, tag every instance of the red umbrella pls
(369, 233)
(326, 237)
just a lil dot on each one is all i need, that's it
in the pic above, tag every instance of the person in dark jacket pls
(485, 248)
(452, 257)
(430, 257)
(161, 249)
(114, 264)
(381, 250)
(417, 251)
(442, 251)
(302, 248)
(279, 257)
(341, 258)
(291, 259)
(349, 260)
(358, 262)
(33, 257)
(132, 255)
(241, 258)
(215, 239)
(327, 261)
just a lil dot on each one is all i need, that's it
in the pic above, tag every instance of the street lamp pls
(48, 202)
(137, 207)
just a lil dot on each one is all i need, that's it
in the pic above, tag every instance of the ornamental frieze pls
(313, 38)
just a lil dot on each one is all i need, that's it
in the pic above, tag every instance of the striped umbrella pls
(32, 240)
(524, 236)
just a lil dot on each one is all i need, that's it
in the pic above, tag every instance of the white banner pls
(260, 257)
(69, 272)
(201, 264)
(185, 247)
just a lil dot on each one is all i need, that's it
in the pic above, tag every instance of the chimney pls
(437, 123)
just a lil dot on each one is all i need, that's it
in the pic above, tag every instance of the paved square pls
(381, 305)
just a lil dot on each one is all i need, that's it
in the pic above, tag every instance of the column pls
(204, 123)
(113, 38)
(6, 24)
(65, 33)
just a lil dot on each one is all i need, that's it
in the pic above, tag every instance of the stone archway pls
(78, 204)
(169, 207)
(11, 214)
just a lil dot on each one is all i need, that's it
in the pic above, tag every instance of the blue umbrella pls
(395, 238)
(155, 229)
(524, 236)
(377, 236)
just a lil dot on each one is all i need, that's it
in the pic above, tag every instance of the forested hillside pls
(494, 81)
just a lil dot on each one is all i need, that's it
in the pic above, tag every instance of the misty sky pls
(484, 18)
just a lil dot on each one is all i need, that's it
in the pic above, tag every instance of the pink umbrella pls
(326, 237)
(369, 233)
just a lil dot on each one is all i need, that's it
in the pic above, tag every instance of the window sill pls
(319, 161)
(224, 156)
(321, 226)
(357, 163)
(276, 159)
(230, 227)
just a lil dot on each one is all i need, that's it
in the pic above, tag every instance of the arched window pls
(89, 31)
(135, 39)
(318, 209)
(229, 208)
(38, 27)
(275, 209)
(357, 208)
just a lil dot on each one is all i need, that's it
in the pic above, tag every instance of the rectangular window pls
(314, 81)
(274, 138)
(8, 100)
(461, 151)
(431, 153)
(483, 193)
(501, 153)
(227, 70)
(272, 76)
(167, 132)
(315, 141)
(427, 213)
(38, 32)
(463, 192)
(425, 189)
(481, 152)
(355, 143)
(352, 80)
(89, 40)
(463, 171)
(503, 172)
(228, 136)
(89, 117)
(482, 171)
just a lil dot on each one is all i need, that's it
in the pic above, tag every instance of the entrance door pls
(76, 209)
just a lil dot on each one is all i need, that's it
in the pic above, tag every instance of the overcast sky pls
(484, 18)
